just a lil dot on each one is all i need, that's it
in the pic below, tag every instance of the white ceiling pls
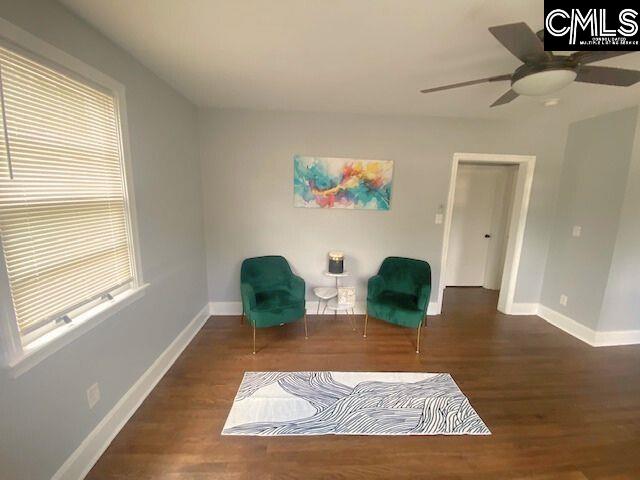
(362, 56)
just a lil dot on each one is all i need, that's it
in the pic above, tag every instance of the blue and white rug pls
(351, 403)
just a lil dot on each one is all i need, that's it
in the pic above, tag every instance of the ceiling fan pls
(544, 72)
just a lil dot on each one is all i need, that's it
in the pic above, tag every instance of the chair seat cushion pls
(398, 299)
(275, 307)
(271, 299)
(396, 307)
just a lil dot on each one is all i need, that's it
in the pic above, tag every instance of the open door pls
(469, 257)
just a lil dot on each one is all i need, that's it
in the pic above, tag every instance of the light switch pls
(439, 218)
(577, 231)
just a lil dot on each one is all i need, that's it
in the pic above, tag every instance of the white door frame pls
(524, 180)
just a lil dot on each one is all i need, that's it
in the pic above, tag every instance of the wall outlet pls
(577, 231)
(93, 395)
(439, 218)
(563, 300)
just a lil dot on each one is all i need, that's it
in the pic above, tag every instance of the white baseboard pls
(524, 309)
(586, 334)
(620, 337)
(93, 446)
(225, 308)
(235, 308)
(567, 324)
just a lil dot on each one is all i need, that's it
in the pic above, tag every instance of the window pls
(65, 225)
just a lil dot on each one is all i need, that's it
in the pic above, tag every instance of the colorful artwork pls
(321, 182)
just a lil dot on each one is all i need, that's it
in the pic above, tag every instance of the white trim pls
(586, 334)
(49, 343)
(524, 181)
(524, 309)
(49, 52)
(235, 308)
(93, 446)
(225, 308)
(620, 337)
(567, 324)
(10, 339)
(127, 171)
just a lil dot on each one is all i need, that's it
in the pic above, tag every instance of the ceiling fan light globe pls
(544, 83)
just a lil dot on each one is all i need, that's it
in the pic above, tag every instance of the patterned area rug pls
(351, 403)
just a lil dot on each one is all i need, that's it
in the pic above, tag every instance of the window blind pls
(63, 208)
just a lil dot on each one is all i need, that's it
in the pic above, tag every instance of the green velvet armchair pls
(271, 293)
(399, 293)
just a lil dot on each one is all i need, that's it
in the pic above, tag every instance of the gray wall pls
(621, 303)
(43, 413)
(591, 194)
(247, 171)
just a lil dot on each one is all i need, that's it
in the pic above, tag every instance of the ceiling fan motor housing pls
(534, 79)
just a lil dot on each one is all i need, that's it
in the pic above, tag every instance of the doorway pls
(484, 223)
(479, 225)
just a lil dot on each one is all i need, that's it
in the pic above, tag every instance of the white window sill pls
(41, 348)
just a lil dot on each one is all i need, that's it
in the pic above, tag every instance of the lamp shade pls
(336, 262)
(543, 83)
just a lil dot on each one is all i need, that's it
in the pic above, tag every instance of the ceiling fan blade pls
(497, 78)
(506, 98)
(618, 77)
(590, 57)
(520, 40)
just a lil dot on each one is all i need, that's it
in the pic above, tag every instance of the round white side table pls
(337, 276)
(326, 294)
(349, 309)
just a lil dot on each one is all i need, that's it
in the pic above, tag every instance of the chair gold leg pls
(306, 333)
(418, 340)
(366, 318)
(254, 339)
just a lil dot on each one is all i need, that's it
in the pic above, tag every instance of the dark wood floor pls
(558, 409)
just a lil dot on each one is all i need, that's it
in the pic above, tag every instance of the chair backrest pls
(405, 275)
(265, 273)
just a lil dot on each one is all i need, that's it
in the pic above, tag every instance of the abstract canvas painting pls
(325, 182)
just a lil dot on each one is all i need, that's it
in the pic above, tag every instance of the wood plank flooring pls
(557, 408)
